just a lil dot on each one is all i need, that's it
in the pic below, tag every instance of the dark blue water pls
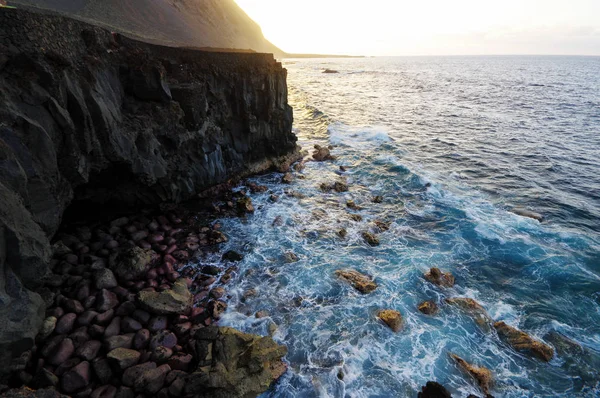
(452, 144)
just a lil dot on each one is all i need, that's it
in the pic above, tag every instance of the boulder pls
(133, 373)
(123, 358)
(104, 279)
(392, 318)
(528, 213)
(521, 341)
(439, 278)
(370, 238)
(89, 350)
(62, 352)
(151, 381)
(121, 341)
(320, 154)
(482, 375)
(428, 307)
(47, 327)
(65, 323)
(360, 282)
(76, 378)
(474, 309)
(433, 390)
(176, 300)
(287, 178)
(233, 256)
(237, 365)
(134, 263)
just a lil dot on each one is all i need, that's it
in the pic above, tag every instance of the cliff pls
(220, 24)
(88, 116)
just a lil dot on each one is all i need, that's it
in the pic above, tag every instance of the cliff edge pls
(217, 24)
(89, 116)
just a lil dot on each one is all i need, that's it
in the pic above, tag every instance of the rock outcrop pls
(521, 341)
(360, 282)
(91, 118)
(235, 364)
(482, 375)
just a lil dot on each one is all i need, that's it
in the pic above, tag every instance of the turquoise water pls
(452, 144)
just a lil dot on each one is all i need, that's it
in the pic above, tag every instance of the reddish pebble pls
(65, 323)
(105, 317)
(151, 274)
(76, 378)
(144, 245)
(62, 352)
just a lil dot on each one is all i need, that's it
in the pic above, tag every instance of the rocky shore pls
(93, 125)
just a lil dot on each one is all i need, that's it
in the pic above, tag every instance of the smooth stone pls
(130, 325)
(135, 372)
(126, 309)
(87, 318)
(157, 323)
(102, 370)
(114, 328)
(141, 339)
(89, 350)
(62, 352)
(121, 341)
(106, 300)
(106, 391)
(105, 317)
(47, 327)
(75, 306)
(65, 323)
(76, 378)
(104, 279)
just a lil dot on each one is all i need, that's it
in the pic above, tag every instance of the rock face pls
(90, 117)
(482, 375)
(235, 364)
(360, 282)
(521, 341)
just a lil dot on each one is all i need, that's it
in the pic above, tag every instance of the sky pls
(429, 27)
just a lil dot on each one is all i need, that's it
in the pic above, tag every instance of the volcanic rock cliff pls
(219, 24)
(89, 116)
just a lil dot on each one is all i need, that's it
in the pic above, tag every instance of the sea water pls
(452, 144)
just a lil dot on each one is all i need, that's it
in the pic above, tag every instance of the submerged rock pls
(428, 307)
(439, 278)
(481, 374)
(473, 308)
(521, 341)
(392, 318)
(176, 300)
(360, 282)
(233, 364)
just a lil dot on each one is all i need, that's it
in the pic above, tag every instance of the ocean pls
(452, 145)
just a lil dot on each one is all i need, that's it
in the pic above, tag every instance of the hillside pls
(219, 24)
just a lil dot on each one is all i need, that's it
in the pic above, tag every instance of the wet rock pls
(176, 300)
(482, 375)
(528, 213)
(428, 307)
(123, 358)
(338, 186)
(211, 270)
(290, 257)
(62, 352)
(89, 350)
(65, 323)
(330, 71)
(474, 309)
(521, 341)
(360, 282)
(261, 314)
(434, 390)
(244, 365)
(377, 199)
(244, 205)
(217, 293)
(106, 300)
(76, 378)
(342, 233)
(216, 308)
(232, 256)
(104, 279)
(321, 154)
(287, 178)
(370, 238)
(392, 318)
(134, 263)
(352, 205)
(439, 278)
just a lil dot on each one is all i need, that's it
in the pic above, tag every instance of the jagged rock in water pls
(371, 238)
(474, 309)
(428, 307)
(528, 213)
(116, 123)
(521, 341)
(320, 154)
(360, 282)
(392, 318)
(174, 301)
(234, 364)
(433, 390)
(482, 375)
(439, 278)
